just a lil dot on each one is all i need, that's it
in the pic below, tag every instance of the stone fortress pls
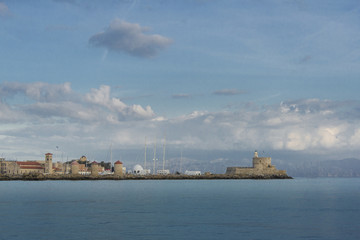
(261, 167)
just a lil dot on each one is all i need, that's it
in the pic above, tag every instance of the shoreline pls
(41, 177)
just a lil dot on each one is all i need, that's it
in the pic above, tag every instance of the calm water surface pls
(181, 209)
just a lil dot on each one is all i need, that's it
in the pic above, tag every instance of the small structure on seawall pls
(261, 168)
(139, 170)
(192, 173)
(118, 169)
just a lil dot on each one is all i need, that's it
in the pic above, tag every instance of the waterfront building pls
(94, 169)
(139, 170)
(83, 159)
(192, 173)
(21, 167)
(163, 172)
(118, 169)
(83, 169)
(67, 168)
(74, 167)
(48, 163)
(28, 167)
(261, 166)
(7, 167)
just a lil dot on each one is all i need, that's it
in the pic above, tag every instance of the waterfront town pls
(79, 166)
(82, 168)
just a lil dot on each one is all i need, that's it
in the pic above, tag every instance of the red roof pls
(31, 167)
(28, 163)
(74, 163)
(118, 162)
(48, 154)
(94, 162)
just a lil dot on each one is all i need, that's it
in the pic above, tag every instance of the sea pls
(300, 208)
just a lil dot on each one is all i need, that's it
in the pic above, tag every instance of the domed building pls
(139, 170)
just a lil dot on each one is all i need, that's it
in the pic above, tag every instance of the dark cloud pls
(38, 91)
(125, 37)
(181, 96)
(228, 92)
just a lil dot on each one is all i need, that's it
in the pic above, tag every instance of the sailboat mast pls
(154, 156)
(111, 153)
(180, 159)
(163, 168)
(145, 155)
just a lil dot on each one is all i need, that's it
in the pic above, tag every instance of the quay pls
(41, 177)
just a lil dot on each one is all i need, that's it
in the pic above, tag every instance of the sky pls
(80, 77)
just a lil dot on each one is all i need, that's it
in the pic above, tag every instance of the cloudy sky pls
(78, 76)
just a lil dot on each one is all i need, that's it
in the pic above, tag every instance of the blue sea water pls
(181, 209)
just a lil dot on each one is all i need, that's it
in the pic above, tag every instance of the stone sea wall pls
(42, 177)
(255, 171)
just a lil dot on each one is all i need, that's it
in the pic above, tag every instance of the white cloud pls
(57, 115)
(101, 97)
(49, 101)
(303, 127)
(355, 138)
(129, 38)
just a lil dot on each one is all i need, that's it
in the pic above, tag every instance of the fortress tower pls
(118, 169)
(74, 167)
(48, 163)
(261, 163)
(94, 169)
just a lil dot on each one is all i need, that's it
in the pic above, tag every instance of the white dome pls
(138, 168)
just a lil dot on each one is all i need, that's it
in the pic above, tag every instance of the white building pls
(139, 170)
(192, 173)
(163, 172)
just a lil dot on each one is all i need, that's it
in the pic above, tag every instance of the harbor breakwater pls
(42, 177)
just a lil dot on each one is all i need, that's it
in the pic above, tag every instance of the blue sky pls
(120, 70)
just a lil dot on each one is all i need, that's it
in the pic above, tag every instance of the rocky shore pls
(42, 177)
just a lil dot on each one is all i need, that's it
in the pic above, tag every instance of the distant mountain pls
(328, 168)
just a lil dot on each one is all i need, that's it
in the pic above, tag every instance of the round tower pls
(48, 163)
(75, 167)
(118, 169)
(261, 162)
(94, 169)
